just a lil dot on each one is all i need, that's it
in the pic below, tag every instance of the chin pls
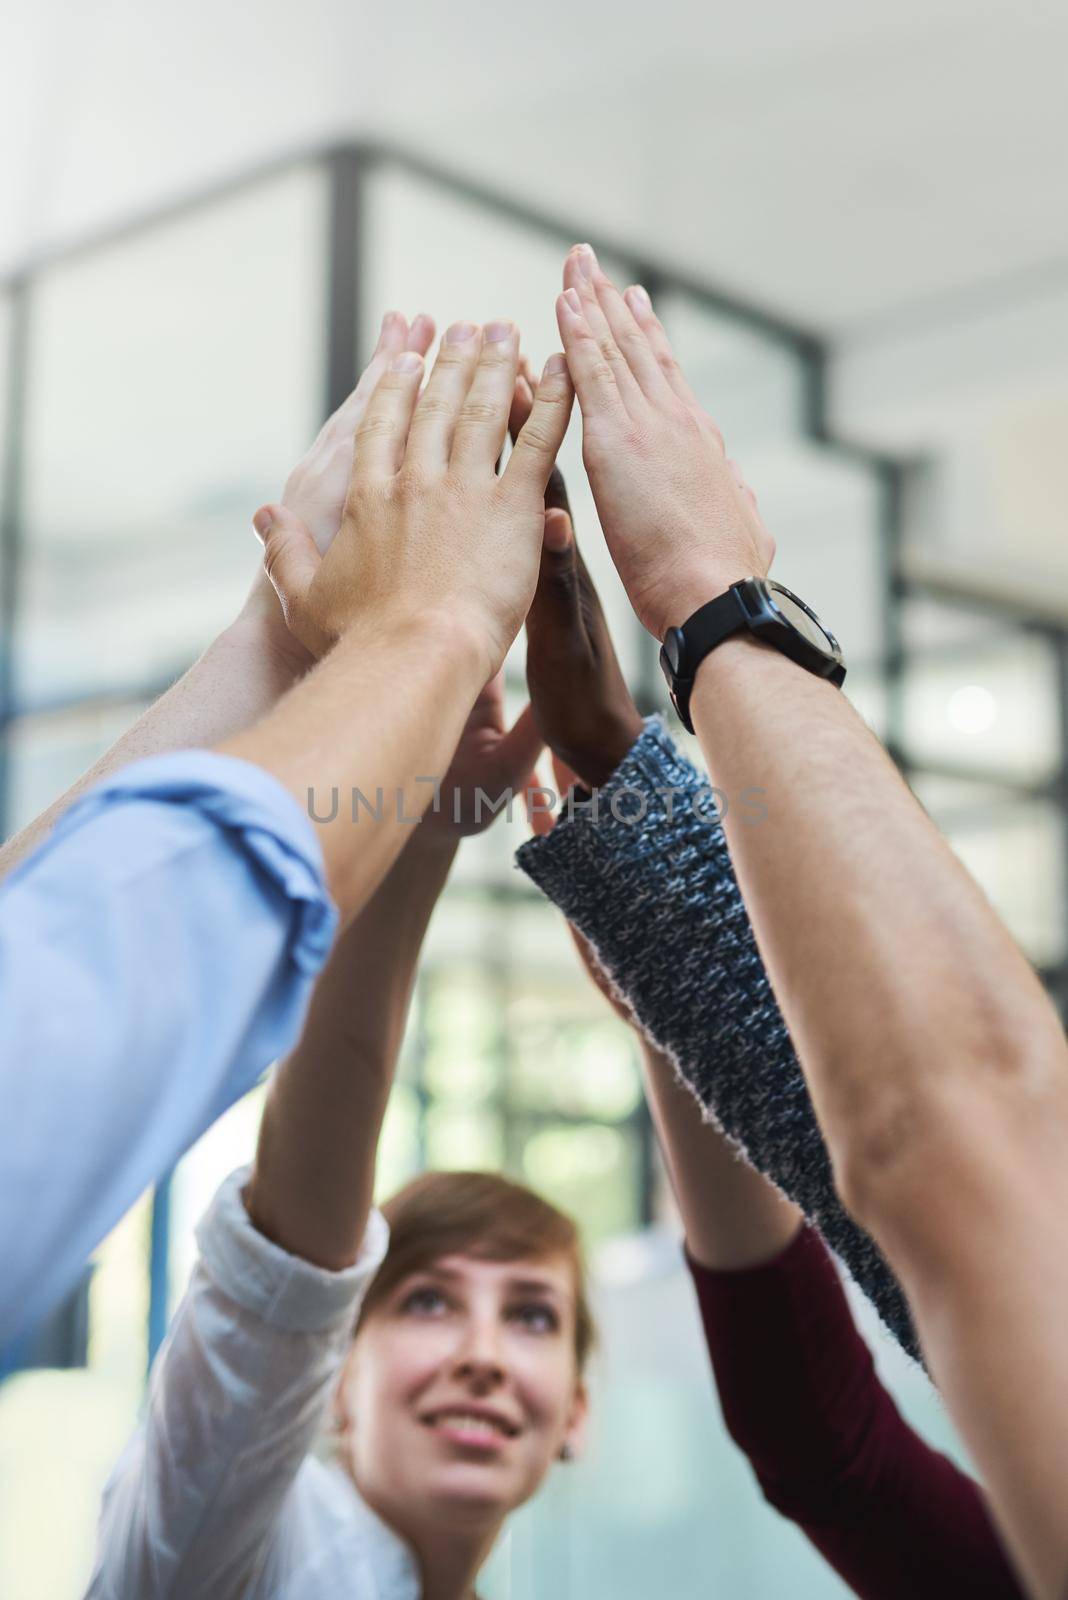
(481, 1491)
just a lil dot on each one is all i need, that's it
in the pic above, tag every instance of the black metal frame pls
(349, 167)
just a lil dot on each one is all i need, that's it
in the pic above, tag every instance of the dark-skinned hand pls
(581, 704)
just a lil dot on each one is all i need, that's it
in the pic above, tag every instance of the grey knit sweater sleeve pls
(645, 874)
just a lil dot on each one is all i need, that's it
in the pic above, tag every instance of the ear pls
(574, 1441)
(341, 1409)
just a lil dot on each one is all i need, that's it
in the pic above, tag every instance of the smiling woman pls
(464, 1381)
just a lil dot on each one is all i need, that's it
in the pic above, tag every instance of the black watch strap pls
(711, 624)
(707, 627)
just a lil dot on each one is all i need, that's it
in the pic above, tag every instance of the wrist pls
(430, 637)
(740, 661)
(428, 851)
(260, 626)
(695, 589)
(615, 738)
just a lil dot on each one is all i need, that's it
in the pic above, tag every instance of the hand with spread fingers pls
(679, 520)
(580, 702)
(429, 528)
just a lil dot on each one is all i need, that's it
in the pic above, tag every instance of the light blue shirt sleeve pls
(157, 952)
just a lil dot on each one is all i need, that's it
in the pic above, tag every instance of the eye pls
(425, 1301)
(536, 1317)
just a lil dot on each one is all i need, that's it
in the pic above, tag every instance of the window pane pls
(50, 753)
(398, 1157)
(5, 373)
(590, 1170)
(463, 1137)
(62, 1432)
(585, 1067)
(985, 704)
(1014, 848)
(174, 384)
(750, 383)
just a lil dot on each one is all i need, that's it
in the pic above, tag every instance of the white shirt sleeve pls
(236, 1399)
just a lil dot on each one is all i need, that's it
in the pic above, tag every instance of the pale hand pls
(429, 529)
(315, 489)
(678, 518)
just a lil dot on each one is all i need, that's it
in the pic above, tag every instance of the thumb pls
(539, 814)
(520, 748)
(290, 559)
(555, 606)
(565, 776)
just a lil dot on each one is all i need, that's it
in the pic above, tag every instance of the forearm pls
(312, 1183)
(733, 1217)
(905, 996)
(361, 740)
(935, 1061)
(239, 677)
(657, 898)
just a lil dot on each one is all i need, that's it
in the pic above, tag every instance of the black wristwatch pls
(771, 613)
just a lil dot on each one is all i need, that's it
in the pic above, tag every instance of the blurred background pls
(851, 220)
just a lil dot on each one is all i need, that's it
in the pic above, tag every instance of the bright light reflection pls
(971, 709)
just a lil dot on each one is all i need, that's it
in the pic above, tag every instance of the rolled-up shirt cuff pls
(655, 804)
(285, 1291)
(242, 799)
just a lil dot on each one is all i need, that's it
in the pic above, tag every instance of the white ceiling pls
(838, 160)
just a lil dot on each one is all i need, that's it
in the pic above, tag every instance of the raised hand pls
(680, 523)
(581, 705)
(317, 486)
(315, 489)
(429, 529)
(489, 758)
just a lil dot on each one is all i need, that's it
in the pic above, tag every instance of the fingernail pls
(493, 332)
(587, 260)
(555, 365)
(389, 317)
(460, 332)
(574, 304)
(638, 298)
(557, 531)
(263, 522)
(407, 361)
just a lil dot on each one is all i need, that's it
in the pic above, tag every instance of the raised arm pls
(129, 908)
(256, 1345)
(416, 602)
(252, 663)
(310, 1189)
(936, 1063)
(796, 1382)
(644, 873)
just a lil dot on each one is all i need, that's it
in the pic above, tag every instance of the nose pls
(478, 1360)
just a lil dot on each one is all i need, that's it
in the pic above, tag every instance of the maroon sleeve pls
(896, 1519)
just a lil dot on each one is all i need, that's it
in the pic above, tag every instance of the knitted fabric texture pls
(651, 886)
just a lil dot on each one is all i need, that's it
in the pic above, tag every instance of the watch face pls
(801, 619)
(672, 649)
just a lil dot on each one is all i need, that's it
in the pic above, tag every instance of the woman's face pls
(462, 1387)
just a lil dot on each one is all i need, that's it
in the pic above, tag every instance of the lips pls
(474, 1422)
